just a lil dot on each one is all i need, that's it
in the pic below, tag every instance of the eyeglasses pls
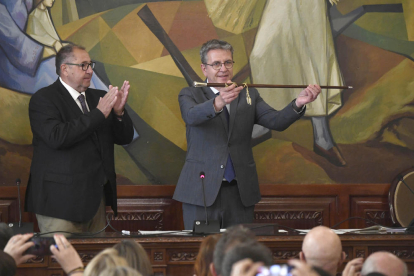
(217, 65)
(85, 66)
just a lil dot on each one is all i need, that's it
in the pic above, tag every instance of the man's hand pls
(106, 103)
(17, 245)
(309, 94)
(334, 2)
(227, 95)
(122, 98)
(245, 267)
(65, 254)
(353, 268)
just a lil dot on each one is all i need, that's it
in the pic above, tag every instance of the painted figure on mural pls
(28, 64)
(294, 45)
(40, 28)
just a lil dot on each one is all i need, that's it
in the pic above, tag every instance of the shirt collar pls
(75, 94)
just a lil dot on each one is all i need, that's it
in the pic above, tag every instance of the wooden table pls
(175, 255)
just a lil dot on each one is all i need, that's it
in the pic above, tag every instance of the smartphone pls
(41, 246)
(275, 270)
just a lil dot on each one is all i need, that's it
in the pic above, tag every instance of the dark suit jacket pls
(73, 153)
(210, 139)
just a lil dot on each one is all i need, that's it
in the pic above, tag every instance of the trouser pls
(227, 208)
(51, 224)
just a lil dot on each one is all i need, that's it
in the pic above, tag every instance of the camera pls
(41, 246)
(275, 270)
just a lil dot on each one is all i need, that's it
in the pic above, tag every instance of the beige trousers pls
(50, 224)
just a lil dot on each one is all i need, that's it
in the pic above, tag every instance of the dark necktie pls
(229, 173)
(81, 98)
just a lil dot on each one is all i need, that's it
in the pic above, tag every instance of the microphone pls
(202, 176)
(410, 227)
(20, 228)
(18, 197)
(208, 227)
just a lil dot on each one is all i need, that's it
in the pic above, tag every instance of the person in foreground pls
(135, 255)
(219, 123)
(322, 248)
(205, 256)
(72, 176)
(384, 263)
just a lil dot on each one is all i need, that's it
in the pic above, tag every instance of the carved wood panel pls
(296, 212)
(7, 211)
(299, 206)
(146, 214)
(375, 209)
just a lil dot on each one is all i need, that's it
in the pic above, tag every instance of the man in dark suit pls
(219, 126)
(72, 176)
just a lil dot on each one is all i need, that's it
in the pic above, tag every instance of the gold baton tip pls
(199, 84)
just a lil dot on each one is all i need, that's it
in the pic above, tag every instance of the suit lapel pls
(91, 99)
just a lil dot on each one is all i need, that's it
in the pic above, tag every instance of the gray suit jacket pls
(210, 139)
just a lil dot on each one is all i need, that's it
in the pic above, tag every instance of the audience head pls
(252, 250)
(205, 256)
(322, 248)
(5, 234)
(120, 271)
(233, 236)
(106, 259)
(135, 256)
(7, 264)
(385, 263)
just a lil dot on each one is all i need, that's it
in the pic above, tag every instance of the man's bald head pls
(322, 248)
(385, 263)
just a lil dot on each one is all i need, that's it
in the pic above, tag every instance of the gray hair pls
(65, 53)
(213, 45)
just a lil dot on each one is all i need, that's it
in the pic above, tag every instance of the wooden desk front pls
(175, 255)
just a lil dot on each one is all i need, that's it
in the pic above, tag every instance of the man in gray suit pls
(219, 123)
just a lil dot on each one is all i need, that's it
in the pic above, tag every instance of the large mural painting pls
(359, 135)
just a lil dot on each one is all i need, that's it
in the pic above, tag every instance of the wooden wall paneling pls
(7, 212)
(176, 255)
(296, 212)
(136, 214)
(151, 207)
(181, 259)
(373, 208)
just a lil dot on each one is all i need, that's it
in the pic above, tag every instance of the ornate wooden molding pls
(87, 257)
(183, 256)
(377, 215)
(158, 256)
(316, 216)
(285, 254)
(360, 253)
(36, 260)
(155, 216)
